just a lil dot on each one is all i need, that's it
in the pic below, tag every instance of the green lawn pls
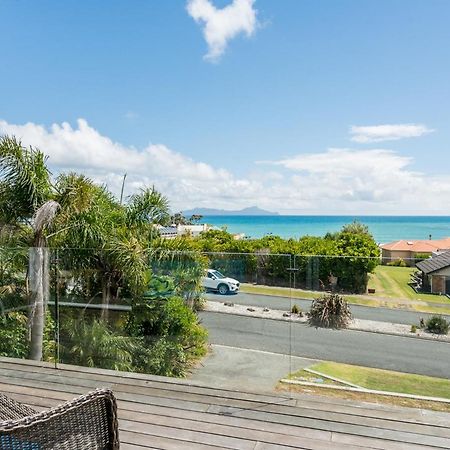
(277, 291)
(392, 282)
(378, 300)
(386, 380)
(391, 291)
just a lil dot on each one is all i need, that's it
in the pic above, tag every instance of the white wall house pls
(180, 230)
(193, 230)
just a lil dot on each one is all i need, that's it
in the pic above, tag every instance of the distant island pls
(250, 211)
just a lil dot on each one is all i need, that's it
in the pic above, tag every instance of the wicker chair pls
(87, 423)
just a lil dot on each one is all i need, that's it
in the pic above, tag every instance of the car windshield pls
(217, 274)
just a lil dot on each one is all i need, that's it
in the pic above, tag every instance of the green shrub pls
(349, 255)
(169, 332)
(437, 325)
(161, 356)
(413, 328)
(92, 343)
(421, 256)
(295, 309)
(329, 311)
(13, 335)
(398, 263)
(48, 342)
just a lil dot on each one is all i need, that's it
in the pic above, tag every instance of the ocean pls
(383, 228)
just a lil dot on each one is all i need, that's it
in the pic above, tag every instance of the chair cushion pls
(12, 443)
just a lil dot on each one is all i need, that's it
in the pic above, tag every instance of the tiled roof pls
(424, 246)
(435, 263)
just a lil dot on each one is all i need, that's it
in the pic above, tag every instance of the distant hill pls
(250, 211)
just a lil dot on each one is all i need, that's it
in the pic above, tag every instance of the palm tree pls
(146, 209)
(104, 237)
(25, 190)
(97, 232)
(39, 275)
(24, 182)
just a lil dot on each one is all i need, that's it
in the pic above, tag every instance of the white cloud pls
(344, 162)
(336, 181)
(222, 25)
(378, 133)
(364, 182)
(186, 182)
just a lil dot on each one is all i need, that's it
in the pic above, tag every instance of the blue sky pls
(264, 121)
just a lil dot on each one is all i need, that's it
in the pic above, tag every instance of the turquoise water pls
(383, 228)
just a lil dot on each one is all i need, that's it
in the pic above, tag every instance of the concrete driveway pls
(246, 369)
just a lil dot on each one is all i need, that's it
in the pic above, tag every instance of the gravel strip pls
(356, 324)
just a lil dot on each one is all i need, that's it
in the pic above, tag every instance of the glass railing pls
(260, 322)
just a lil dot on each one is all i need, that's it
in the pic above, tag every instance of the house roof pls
(434, 263)
(418, 246)
(168, 230)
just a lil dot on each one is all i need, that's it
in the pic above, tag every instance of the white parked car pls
(215, 281)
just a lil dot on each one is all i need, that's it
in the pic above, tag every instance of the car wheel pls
(223, 289)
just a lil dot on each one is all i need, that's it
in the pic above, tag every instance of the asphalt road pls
(285, 303)
(354, 347)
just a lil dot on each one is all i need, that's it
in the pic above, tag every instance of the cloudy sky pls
(300, 107)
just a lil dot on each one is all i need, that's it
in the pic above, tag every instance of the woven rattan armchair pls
(87, 423)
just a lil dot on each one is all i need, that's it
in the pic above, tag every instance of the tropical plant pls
(39, 275)
(146, 209)
(93, 343)
(329, 311)
(102, 248)
(13, 335)
(170, 331)
(25, 190)
(186, 268)
(24, 182)
(106, 240)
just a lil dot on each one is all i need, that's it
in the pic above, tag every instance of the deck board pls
(158, 412)
(316, 403)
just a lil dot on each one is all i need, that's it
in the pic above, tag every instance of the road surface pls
(403, 354)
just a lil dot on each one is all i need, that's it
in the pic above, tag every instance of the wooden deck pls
(156, 412)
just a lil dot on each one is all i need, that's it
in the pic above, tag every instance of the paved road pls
(354, 347)
(359, 312)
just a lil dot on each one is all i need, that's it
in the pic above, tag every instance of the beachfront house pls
(411, 251)
(436, 273)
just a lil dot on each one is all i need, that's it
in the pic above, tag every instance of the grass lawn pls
(367, 398)
(386, 380)
(392, 282)
(364, 300)
(277, 291)
(376, 379)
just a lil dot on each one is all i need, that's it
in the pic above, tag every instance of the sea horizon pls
(384, 228)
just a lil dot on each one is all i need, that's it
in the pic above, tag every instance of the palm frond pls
(25, 176)
(148, 207)
(44, 216)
